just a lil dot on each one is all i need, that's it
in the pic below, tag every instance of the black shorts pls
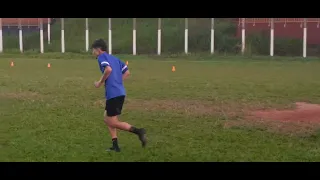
(114, 106)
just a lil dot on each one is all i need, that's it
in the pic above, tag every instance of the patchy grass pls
(20, 95)
(289, 128)
(194, 114)
(187, 107)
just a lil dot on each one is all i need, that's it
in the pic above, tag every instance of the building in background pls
(283, 27)
(28, 25)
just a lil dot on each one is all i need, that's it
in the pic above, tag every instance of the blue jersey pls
(114, 84)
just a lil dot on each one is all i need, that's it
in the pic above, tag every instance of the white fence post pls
(212, 36)
(20, 35)
(304, 37)
(134, 37)
(272, 37)
(41, 36)
(62, 36)
(159, 37)
(243, 36)
(186, 36)
(110, 37)
(87, 34)
(49, 30)
(1, 40)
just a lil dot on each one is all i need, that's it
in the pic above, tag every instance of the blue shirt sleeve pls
(124, 67)
(103, 62)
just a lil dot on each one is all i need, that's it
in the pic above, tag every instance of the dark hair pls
(99, 43)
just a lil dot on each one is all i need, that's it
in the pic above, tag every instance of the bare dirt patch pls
(304, 112)
(188, 107)
(26, 95)
(304, 118)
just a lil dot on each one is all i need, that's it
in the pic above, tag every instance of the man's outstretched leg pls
(115, 123)
(113, 110)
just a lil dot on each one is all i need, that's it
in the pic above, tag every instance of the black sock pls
(115, 142)
(134, 130)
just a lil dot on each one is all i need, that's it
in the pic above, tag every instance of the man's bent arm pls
(106, 73)
(125, 75)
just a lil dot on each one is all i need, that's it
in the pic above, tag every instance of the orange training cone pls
(127, 63)
(49, 65)
(11, 64)
(173, 68)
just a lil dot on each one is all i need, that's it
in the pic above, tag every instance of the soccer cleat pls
(142, 137)
(113, 149)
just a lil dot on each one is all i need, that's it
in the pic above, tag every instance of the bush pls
(226, 41)
(259, 44)
(288, 47)
(172, 36)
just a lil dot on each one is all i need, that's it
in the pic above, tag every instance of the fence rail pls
(279, 20)
(242, 26)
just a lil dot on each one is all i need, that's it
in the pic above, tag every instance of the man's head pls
(99, 46)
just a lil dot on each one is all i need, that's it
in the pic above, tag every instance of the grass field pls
(56, 114)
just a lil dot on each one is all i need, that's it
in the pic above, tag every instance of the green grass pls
(57, 115)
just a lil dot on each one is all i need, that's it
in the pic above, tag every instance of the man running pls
(114, 72)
